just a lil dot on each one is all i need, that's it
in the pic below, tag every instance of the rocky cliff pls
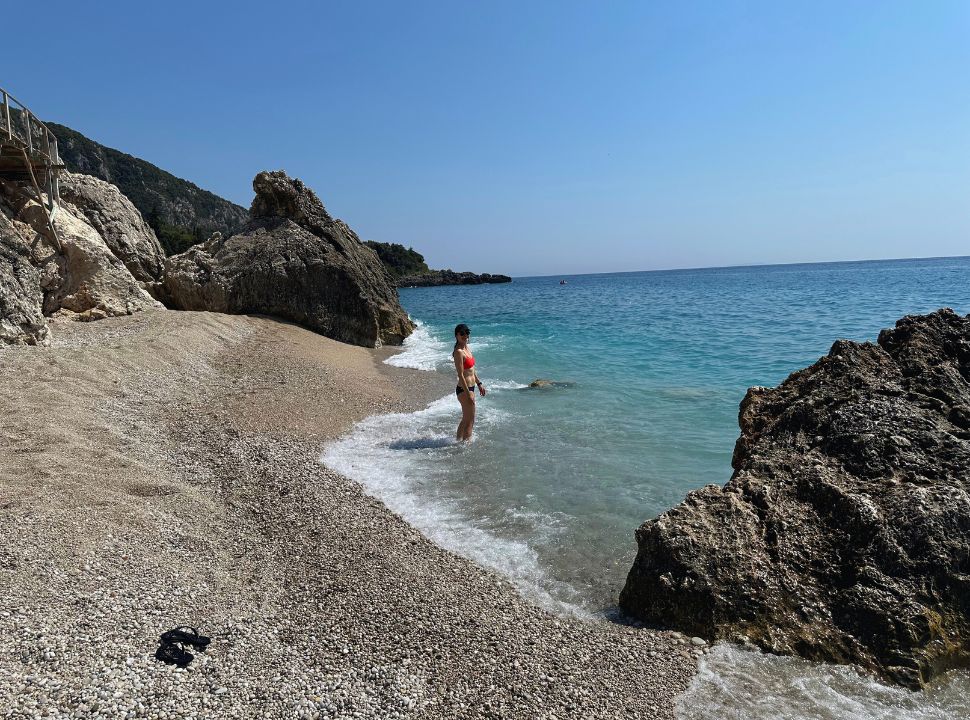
(181, 208)
(119, 223)
(844, 532)
(75, 273)
(294, 261)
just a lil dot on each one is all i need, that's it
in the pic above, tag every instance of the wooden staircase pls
(28, 154)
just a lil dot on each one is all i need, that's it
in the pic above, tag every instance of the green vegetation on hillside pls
(174, 239)
(398, 259)
(181, 212)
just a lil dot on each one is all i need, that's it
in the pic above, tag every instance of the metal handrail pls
(37, 143)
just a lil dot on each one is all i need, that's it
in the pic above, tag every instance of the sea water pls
(648, 369)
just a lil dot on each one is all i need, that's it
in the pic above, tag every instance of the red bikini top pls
(469, 361)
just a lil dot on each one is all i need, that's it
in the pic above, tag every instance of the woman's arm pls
(481, 385)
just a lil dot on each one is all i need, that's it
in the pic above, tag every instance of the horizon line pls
(747, 265)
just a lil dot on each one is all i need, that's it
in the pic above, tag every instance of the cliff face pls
(844, 533)
(77, 273)
(119, 223)
(178, 204)
(292, 260)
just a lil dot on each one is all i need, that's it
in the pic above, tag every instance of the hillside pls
(180, 212)
(399, 260)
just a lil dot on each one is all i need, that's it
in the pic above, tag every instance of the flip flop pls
(187, 635)
(173, 655)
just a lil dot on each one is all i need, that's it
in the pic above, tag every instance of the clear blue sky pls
(544, 137)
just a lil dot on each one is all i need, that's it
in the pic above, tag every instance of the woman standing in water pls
(467, 380)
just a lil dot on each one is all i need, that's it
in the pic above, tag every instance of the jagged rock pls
(118, 222)
(844, 532)
(76, 273)
(22, 320)
(450, 277)
(95, 282)
(295, 262)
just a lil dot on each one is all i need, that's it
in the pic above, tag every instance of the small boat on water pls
(562, 282)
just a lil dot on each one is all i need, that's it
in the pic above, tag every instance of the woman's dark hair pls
(460, 329)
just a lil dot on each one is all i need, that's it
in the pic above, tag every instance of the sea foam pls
(422, 351)
(404, 460)
(735, 683)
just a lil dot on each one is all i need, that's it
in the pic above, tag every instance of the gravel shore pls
(161, 470)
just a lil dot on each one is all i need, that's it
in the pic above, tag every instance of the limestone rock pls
(844, 532)
(22, 320)
(94, 280)
(77, 274)
(296, 262)
(119, 223)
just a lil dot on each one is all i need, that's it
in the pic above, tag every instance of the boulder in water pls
(844, 532)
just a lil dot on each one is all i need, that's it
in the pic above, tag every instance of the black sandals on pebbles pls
(174, 655)
(187, 636)
(171, 648)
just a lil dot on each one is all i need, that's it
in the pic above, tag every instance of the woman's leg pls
(467, 416)
(470, 422)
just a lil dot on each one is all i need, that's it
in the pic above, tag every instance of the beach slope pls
(161, 469)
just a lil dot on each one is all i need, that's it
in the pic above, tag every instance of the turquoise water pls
(653, 364)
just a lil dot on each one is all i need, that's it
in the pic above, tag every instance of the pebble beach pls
(161, 470)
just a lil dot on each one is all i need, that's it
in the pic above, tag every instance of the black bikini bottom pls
(459, 390)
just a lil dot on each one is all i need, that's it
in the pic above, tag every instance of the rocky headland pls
(844, 533)
(407, 268)
(435, 278)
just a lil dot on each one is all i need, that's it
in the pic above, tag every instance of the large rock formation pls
(119, 223)
(844, 532)
(296, 262)
(75, 274)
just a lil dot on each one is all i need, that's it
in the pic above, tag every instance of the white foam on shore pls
(403, 459)
(422, 350)
(734, 683)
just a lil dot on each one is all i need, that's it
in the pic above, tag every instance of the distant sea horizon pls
(735, 267)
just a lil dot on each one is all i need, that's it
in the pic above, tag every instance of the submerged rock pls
(844, 532)
(296, 262)
(543, 383)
